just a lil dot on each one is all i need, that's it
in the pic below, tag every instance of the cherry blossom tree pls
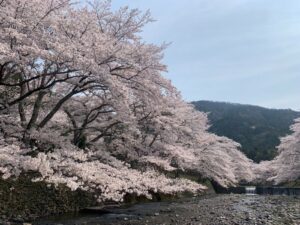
(177, 138)
(52, 51)
(286, 166)
(67, 70)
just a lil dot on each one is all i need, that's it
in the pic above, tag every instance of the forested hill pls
(256, 128)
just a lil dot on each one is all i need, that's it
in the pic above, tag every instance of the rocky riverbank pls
(206, 210)
(22, 200)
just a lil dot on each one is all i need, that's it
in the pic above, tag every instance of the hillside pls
(256, 128)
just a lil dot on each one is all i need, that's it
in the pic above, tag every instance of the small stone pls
(126, 219)
(18, 219)
(195, 219)
(156, 214)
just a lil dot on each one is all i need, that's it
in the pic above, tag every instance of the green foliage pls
(256, 128)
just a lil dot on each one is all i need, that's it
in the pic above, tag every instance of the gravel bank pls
(208, 210)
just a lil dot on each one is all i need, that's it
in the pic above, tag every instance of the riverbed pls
(230, 209)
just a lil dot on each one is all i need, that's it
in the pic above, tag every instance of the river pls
(221, 209)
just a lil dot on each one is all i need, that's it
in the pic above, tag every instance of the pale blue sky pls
(244, 51)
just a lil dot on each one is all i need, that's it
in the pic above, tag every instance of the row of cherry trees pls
(77, 89)
(83, 103)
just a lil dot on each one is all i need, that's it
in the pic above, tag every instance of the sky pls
(241, 51)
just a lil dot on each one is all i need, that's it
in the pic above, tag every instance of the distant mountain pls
(256, 128)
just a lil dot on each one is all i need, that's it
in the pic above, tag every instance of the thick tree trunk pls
(55, 109)
(36, 110)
